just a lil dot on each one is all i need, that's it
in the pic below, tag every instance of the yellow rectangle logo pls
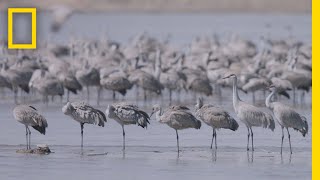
(33, 12)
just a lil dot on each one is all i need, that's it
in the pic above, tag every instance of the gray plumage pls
(176, 117)
(84, 113)
(116, 82)
(287, 117)
(29, 116)
(215, 117)
(126, 114)
(249, 114)
(145, 80)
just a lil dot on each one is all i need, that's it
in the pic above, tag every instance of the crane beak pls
(151, 114)
(226, 77)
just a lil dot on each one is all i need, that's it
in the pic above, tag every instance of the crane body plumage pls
(215, 117)
(176, 117)
(250, 115)
(126, 114)
(84, 113)
(287, 117)
(29, 116)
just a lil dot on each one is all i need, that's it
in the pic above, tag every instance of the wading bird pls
(29, 116)
(126, 114)
(286, 117)
(84, 113)
(176, 117)
(215, 117)
(250, 115)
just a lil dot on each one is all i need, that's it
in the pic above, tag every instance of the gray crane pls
(29, 116)
(176, 117)
(250, 115)
(126, 114)
(286, 116)
(215, 117)
(84, 113)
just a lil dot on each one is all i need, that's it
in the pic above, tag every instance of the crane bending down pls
(176, 117)
(286, 117)
(250, 115)
(84, 113)
(29, 116)
(215, 117)
(126, 114)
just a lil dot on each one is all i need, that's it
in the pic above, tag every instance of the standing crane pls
(250, 115)
(84, 113)
(176, 117)
(286, 117)
(215, 117)
(126, 114)
(29, 116)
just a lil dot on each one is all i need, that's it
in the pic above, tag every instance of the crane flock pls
(153, 70)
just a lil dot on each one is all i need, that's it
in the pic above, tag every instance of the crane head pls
(155, 109)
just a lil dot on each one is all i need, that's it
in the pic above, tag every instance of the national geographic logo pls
(11, 43)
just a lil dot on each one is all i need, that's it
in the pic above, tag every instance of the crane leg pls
(81, 125)
(88, 97)
(124, 139)
(253, 97)
(98, 97)
(29, 132)
(177, 141)
(248, 139)
(215, 138)
(212, 138)
(294, 95)
(68, 94)
(113, 95)
(289, 141)
(170, 96)
(251, 139)
(27, 137)
(282, 140)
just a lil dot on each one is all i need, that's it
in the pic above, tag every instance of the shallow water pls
(151, 153)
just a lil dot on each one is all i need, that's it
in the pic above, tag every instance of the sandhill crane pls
(282, 85)
(176, 117)
(88, 76)
(287, 117)
(254, 85)
(116, 81)
(215, 117)
(29, 116)
(146, 81)
(46, 84)
(250, 115)
(126, 114)
(84, 113)
(70, 82)
(17, 78)
(59, 15)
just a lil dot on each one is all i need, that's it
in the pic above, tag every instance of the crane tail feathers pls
(234, 125)
(198, 124)
(41, 129)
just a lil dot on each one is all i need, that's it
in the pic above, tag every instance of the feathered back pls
(29, 116)
(84, 113)
(130, 114)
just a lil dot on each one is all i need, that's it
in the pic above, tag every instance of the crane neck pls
(158, 114)
(236, 98)
(268, 99)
